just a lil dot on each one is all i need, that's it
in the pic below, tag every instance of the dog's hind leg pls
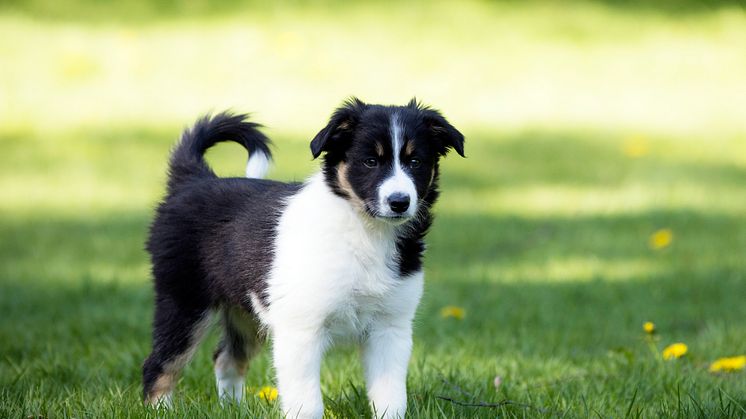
(240, 342)
(177, 330)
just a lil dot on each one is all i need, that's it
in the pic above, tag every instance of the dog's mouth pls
(387, 217)
(396, 219)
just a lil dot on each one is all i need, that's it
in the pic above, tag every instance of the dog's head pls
(384, 159)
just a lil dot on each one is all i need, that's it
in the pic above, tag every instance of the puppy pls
(337, 256)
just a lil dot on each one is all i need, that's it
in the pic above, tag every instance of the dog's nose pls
(398, 202)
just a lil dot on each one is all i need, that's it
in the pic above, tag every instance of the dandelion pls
(729, 364)
(661, 239)
(648, 327)
(267, 393)
(453, 311)
(674, 351)
(635, 146)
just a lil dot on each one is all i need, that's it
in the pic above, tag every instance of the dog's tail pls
(187, 158)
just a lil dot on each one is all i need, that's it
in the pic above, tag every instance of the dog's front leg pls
(297, 359)
(387, 348)
(386, 356)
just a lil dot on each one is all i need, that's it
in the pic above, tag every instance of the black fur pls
(187, 159)
(203, 222)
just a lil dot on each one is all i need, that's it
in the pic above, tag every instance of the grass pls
(589, 127)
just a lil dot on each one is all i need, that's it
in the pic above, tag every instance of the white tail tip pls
(257, 166)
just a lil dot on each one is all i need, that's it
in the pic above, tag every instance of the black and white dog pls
(336, 256)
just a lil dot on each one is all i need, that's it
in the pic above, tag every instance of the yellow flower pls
(661, 239)
(676, 350)
(635, 146)
(648, 327)
(731, 364)
(453, 311)
(267, 393)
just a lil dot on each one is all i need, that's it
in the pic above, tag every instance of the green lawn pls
(589, 127)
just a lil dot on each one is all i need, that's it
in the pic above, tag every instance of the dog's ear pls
(340, 126)
(443, 132)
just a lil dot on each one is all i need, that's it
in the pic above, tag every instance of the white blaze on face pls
(398, 181)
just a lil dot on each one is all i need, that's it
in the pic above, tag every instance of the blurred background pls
(604, 187)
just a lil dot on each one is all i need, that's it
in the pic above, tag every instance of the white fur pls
(258, 165)
(258, 308)
(229, 379)
(165, 401)
(334, 276)
(387, 349)
(399, 181)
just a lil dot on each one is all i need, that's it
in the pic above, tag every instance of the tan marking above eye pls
(379, 149)
(409, 149)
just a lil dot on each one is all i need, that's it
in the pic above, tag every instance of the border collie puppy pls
(337, 256)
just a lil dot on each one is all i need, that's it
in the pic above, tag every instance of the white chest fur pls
(332, 269)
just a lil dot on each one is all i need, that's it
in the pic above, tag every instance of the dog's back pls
(202, 224)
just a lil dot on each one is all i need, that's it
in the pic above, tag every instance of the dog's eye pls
(370, 162)
(414, 163)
